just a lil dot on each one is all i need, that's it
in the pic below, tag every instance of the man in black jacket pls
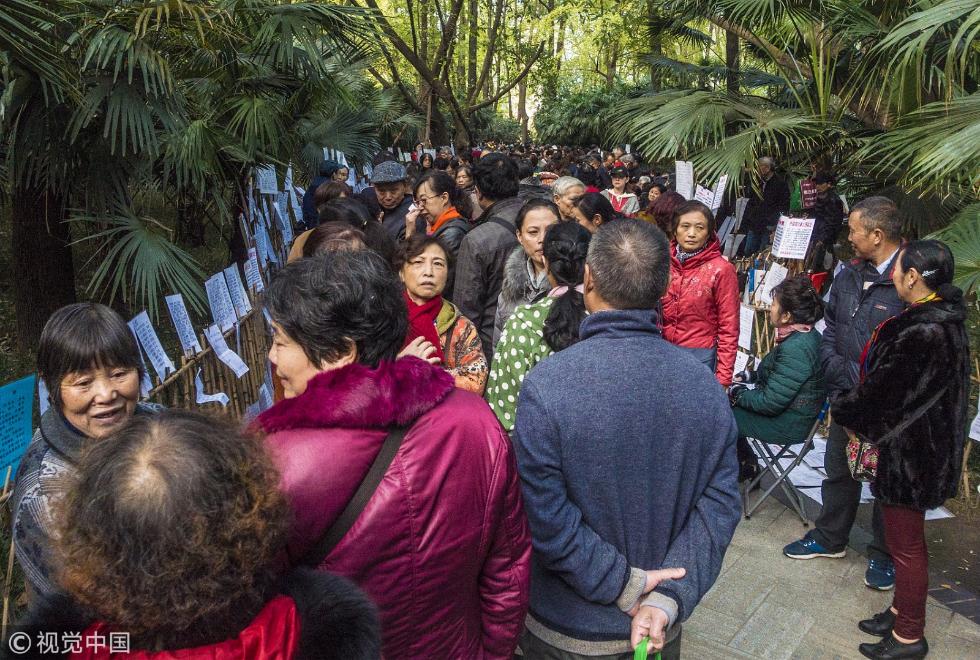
(765, 206)
(484, 251)
(862, 296)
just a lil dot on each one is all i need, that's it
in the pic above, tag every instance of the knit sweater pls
(626, 450)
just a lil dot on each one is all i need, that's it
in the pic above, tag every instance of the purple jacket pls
(443, 546)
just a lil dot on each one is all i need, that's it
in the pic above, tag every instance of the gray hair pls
(879, 212)
(630, 263)
(767, 160)
(565, 183)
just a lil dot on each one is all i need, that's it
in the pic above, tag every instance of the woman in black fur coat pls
(912, 403)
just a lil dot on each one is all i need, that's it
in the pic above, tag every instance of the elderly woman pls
(525, 277)
(441, 543)
(89, 360)
(172, 532)
(550, 325)
(566, 190)
(436, 329)
(789, 389)
(911, 404)
(700, 308)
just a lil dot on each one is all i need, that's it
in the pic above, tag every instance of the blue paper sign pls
(16, 407)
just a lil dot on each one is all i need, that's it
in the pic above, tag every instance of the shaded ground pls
(767, 606)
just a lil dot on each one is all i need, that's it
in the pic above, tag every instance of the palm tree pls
(884, 92)
(166, 107)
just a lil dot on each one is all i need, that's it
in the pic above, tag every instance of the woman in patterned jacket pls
(437, 332)
(547, 326)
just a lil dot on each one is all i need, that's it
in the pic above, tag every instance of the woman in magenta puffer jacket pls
(442, 546)
(701, 303)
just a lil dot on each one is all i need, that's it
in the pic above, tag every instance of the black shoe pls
(880, 624)
(891, 649)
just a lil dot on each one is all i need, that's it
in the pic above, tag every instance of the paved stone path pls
(765, 605)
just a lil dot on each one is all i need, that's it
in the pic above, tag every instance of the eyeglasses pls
(423, 200)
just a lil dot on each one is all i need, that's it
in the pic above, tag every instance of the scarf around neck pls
(449, 214)
(422, 322)
(785, 331)
(683, 256)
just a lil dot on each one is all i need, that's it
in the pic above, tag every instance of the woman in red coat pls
(701, 303)
(442, 546)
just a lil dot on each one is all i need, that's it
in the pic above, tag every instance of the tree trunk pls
(474, 8)
(656, 49)
(42, 269)
(731, 62)
(522, 109)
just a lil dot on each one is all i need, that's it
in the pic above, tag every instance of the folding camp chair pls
(781, 474)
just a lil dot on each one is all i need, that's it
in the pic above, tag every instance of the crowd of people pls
(507, 421)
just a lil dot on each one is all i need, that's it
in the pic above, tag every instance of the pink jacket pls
(443, 546)
(701, 306)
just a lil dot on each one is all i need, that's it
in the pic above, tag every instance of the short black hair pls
(84, 336)
(326, 302)
(692, 206)
(440, 182)
(797, 296)
(593, 204)
(416, 245)
(879, 212)
(334, 237)
(355, 213)
(630, 263)
(534, 205)
(496, 177)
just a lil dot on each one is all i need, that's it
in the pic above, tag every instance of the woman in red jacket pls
(701, 303)
(442, 544)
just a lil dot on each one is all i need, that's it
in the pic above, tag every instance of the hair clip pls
(927, 273)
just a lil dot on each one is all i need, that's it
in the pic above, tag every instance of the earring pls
(910, 286)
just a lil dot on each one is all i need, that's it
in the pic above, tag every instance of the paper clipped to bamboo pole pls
(182, 322)
(684, 174)
(225, 354)
(148, 339)
(792, 237)
(219, 299)
(746, 320)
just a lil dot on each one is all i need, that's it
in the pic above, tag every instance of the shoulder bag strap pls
(919, 412)
(356, 505)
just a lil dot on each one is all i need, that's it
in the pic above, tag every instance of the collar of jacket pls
(859, 265)
(66, 439)
(710, 251)
(447, 316)
(518, 282)
(359, 397)
(621, 323)
(502, 205)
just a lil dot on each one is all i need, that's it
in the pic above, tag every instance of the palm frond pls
(963, 238)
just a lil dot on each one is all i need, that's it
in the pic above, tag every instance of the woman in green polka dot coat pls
(535, 331)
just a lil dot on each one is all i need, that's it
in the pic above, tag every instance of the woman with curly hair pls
(172, 533)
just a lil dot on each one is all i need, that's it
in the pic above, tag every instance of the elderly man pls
(628, 467)
(390, 181)
(766, 204)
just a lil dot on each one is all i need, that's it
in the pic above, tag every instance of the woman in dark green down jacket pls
(789, 388)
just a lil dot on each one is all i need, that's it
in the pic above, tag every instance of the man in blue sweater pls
(626, 450)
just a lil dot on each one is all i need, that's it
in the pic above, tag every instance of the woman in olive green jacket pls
(789, 388)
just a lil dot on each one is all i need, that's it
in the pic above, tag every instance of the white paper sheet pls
(225, 354)
(253, 273)
(725, 230)
(772, 277)
(685, 178)
(975, 426)
(289, 187)
(792, 237)
(820, 326)
(740, 205)
(718, 193)
(703, 195)
(284, 223)
(202, 397)
(182, 322)
(746, 320)
(265, 180)
(43, 398)
(148, 339)
(741, 361)
(732, 242)
(237, 291)
(219, 299)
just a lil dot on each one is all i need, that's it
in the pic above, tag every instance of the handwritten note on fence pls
(148, 339)
(253, 273)
(265, 180)
(236, 289)
(225, 354)
(219, 298)
(182, 321)
(746, 320)
(685, 178)
(16, 407)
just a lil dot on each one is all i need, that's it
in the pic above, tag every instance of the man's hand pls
(653, 579)
(423, 349)
(649, 622)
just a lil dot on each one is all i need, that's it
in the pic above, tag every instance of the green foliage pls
(583, 117)
(488, 126)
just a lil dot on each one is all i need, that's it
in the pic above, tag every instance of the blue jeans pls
(755, 241)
